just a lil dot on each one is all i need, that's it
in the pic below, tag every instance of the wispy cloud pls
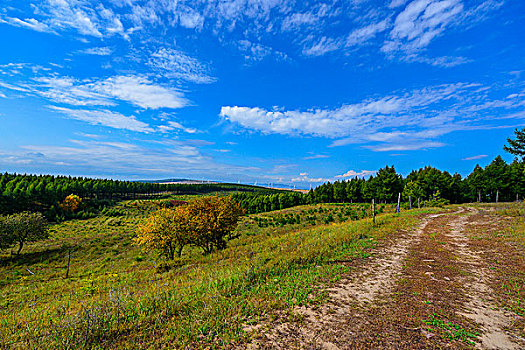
(98, 51)
(29, 23)
(134, 89)
(480, 156)
(256, 52)
(420, 22)
(105, 118)
(141, 91)
(175, 64)
(361, 35)
(173, 125)
(316, 156)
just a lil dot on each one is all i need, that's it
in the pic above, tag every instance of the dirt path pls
(426, 289)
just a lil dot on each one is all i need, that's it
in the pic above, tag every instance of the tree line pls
(45, 193)
(498, 181)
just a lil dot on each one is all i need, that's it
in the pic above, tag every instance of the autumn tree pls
(212, 221)
(71, 203)
(207, 223)
(167, 231)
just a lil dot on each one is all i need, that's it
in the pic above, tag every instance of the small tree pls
(71, 203)
(166, 231)
(21, 228)
(207, 223)
(517, 146)
(212, 221)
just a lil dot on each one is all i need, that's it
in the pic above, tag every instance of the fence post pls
(373, 211)
(68, 262)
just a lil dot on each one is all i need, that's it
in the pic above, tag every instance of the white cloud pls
(443, 61)
(70, 91)
(55, 16)
(175, 64)
(135, 89)
(406, 146)
(319, 47)
(353, 173)
(172, 125)
(364, 118)
(476, 157)
(420, 22)
(316, 156)
(141, 92)
(29, 23)
(98, 51)
(257, 52)
(304, 178)
(361, 35)
(403, 121)
(296, 20)
(105, 118)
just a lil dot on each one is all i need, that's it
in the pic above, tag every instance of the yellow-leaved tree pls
(212, 221)
(71, 203)
(165, 231)
(207, 223)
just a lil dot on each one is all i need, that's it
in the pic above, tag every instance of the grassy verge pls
(116, 298)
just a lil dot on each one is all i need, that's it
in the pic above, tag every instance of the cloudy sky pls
(294, 92)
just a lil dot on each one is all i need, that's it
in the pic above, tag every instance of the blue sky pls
(295, 92)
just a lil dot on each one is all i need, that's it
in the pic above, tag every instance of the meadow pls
(117, 295)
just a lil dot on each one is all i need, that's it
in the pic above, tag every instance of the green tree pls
(517, 146)
(24, 227)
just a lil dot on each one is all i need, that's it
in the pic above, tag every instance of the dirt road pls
(436, 287)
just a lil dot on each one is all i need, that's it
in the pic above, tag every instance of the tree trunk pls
(20, 247)
(497, 196)
(410, 201)
(479, 196)
(418, 203)
(398, 202)
(179, 250)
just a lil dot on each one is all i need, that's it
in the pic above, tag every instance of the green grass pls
(116, 296)
(449, 330)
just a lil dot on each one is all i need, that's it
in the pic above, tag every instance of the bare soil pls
(433, 288)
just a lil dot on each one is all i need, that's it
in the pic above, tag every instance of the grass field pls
(118, 296)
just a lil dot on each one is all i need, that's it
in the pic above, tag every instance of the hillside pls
(118, 296)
